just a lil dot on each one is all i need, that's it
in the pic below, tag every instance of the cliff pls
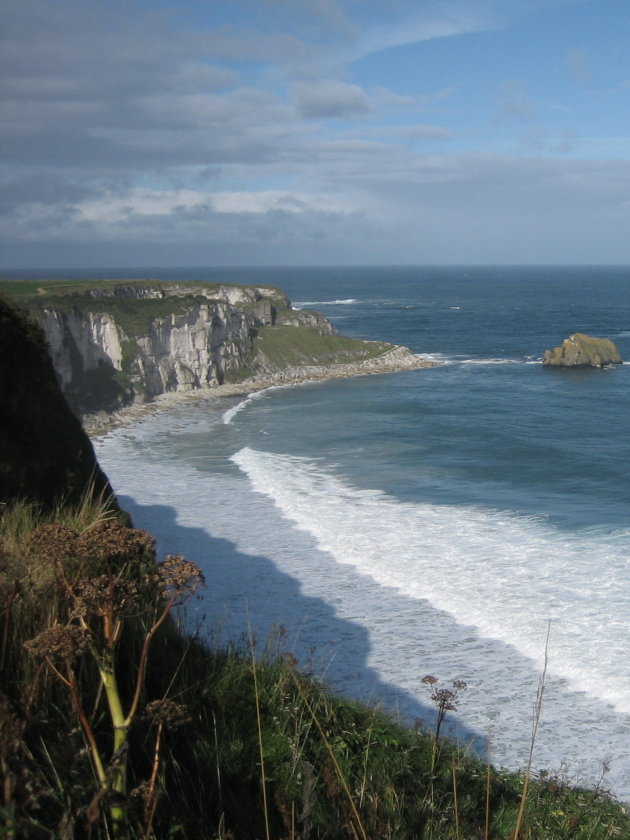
(45, 456)
(117, 343)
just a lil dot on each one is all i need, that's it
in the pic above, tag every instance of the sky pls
(314, 132)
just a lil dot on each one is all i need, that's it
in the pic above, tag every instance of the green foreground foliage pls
(114, 723)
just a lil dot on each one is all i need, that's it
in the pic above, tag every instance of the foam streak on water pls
(506, 575)
(427, 522)
(356, 577)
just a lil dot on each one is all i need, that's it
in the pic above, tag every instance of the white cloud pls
(330, 99)
(427, 23)
(126, 123)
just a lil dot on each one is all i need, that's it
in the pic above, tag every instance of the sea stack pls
(581, 351)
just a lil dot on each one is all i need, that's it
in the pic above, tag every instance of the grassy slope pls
(333, 768)
(284, 347)
(58, 288)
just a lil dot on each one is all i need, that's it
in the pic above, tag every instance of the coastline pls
(393, 361)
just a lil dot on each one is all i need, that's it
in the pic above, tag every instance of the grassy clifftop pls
(127, 341)
(283, 347)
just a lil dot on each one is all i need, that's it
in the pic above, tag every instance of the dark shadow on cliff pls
(246, 591)
(45, 456)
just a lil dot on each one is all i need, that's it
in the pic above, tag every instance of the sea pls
(469, 521)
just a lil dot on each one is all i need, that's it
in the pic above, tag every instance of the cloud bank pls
(319, 132)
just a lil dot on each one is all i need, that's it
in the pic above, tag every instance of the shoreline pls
(396, 360)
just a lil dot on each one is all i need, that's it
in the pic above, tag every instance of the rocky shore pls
(395, 360)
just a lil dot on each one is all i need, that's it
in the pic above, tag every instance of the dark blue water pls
(491, 426)
(429, 521)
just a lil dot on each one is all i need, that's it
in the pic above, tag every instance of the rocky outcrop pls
(45, 456)
(125, 342)
(581, 350)
(395, 359)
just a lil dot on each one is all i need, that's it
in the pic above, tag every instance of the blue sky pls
(190, 132)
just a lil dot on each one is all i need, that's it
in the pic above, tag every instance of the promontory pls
(115, 343)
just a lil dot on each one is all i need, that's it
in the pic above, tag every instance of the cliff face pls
(123, 343)
(45, 456)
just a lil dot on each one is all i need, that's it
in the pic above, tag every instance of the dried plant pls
(98, 609)
(444, 699)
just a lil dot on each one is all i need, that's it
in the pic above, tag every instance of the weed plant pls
(213, 742)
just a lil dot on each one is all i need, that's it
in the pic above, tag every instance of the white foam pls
(231, 413)
(506, 575)
(445, 359)
(345, 302)
(361, 627)
(491, 361)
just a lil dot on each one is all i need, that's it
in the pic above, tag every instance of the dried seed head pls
(179, 577)
(102, 594)
(141, 793)
(110, 541)
(61, 641)
(445, 699)
(170, 714)
(52, 543)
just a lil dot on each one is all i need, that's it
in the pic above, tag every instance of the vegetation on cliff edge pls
(217, 743)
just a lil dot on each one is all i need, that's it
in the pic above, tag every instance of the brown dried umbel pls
(445, 699)
(166, 712)
(179, 578)
(65, 642)
(112, 542)
(52, 543)
(104, 595)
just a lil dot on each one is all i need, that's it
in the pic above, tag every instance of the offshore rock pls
(581, 350)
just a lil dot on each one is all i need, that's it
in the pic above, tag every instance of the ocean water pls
(468, 521)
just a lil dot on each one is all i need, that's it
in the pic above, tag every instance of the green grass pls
(286, 346)
(135, 315)
(61, 288)
(333, 768)
(20, 288)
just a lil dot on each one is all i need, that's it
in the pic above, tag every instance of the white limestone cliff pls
(209, 335)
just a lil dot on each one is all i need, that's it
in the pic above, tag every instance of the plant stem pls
(260, 738)
(536, 721)
(455, 804)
